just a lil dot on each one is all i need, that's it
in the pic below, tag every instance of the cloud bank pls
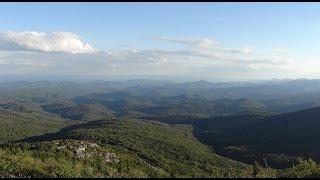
(66, 53)
(211, 50)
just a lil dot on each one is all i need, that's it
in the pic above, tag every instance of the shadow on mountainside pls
(60, 134)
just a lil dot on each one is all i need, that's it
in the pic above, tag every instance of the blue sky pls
(273, 31)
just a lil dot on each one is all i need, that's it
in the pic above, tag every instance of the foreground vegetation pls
(161, 149)
(128, 148)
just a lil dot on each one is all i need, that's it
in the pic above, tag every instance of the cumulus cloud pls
(38, 41)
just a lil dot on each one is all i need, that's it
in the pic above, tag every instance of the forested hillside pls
(15, 125)
(143, 149)
(279, 139)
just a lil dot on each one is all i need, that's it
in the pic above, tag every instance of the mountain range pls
(146, 128)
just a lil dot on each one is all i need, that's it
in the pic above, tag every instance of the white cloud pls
(38, 41)
(31, 52)
(203, 43)
(214, 53)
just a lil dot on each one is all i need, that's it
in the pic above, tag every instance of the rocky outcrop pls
(83, 150)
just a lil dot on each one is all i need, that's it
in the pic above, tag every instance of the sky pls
(207, 41)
